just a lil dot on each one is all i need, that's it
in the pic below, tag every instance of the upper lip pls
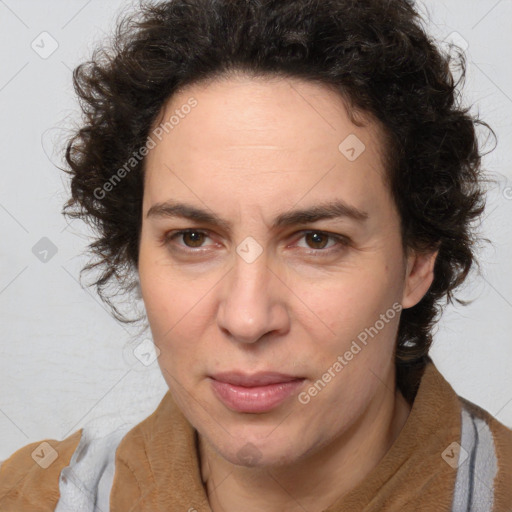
(256, 379)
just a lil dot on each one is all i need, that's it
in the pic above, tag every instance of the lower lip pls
(255, 399)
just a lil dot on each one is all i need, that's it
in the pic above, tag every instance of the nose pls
(253, 302)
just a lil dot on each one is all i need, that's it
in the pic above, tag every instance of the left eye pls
(319, 239)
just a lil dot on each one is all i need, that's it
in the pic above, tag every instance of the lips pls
(257, 393)
(257, 379)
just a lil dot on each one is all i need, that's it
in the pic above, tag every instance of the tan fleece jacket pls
(157, 466)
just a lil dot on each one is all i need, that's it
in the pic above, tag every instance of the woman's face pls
(253, 286)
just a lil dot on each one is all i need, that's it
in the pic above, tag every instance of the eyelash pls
(342, 241)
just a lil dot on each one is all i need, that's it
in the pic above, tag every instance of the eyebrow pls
(330, 210)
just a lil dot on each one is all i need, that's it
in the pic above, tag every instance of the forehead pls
(270, 137)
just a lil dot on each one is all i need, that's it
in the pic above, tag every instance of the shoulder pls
(485, 430)
(73, 474)
(86, 482)
(485, 461)
(29, 478)
(78, 472)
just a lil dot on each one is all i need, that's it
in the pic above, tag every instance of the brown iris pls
(317, 239)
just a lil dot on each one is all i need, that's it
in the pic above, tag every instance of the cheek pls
(169, 298)
(349, 309)
(348, 300)
(177, 309)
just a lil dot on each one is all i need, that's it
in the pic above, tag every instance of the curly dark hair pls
(375, 53)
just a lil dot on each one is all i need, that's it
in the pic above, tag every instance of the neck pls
(315, 481)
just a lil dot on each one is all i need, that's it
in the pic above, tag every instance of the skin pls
(250, 150)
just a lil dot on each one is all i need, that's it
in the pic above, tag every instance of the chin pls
(250, 451)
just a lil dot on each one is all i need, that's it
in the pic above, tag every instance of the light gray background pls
(64, 361)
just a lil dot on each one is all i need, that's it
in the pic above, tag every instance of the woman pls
(290, 187)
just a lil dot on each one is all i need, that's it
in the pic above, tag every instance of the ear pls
(419, 276)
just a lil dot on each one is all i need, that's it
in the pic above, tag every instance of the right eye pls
(194, 237)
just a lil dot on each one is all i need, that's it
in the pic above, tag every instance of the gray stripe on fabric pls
(472, 463)
(460, 499)
(477, 468)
